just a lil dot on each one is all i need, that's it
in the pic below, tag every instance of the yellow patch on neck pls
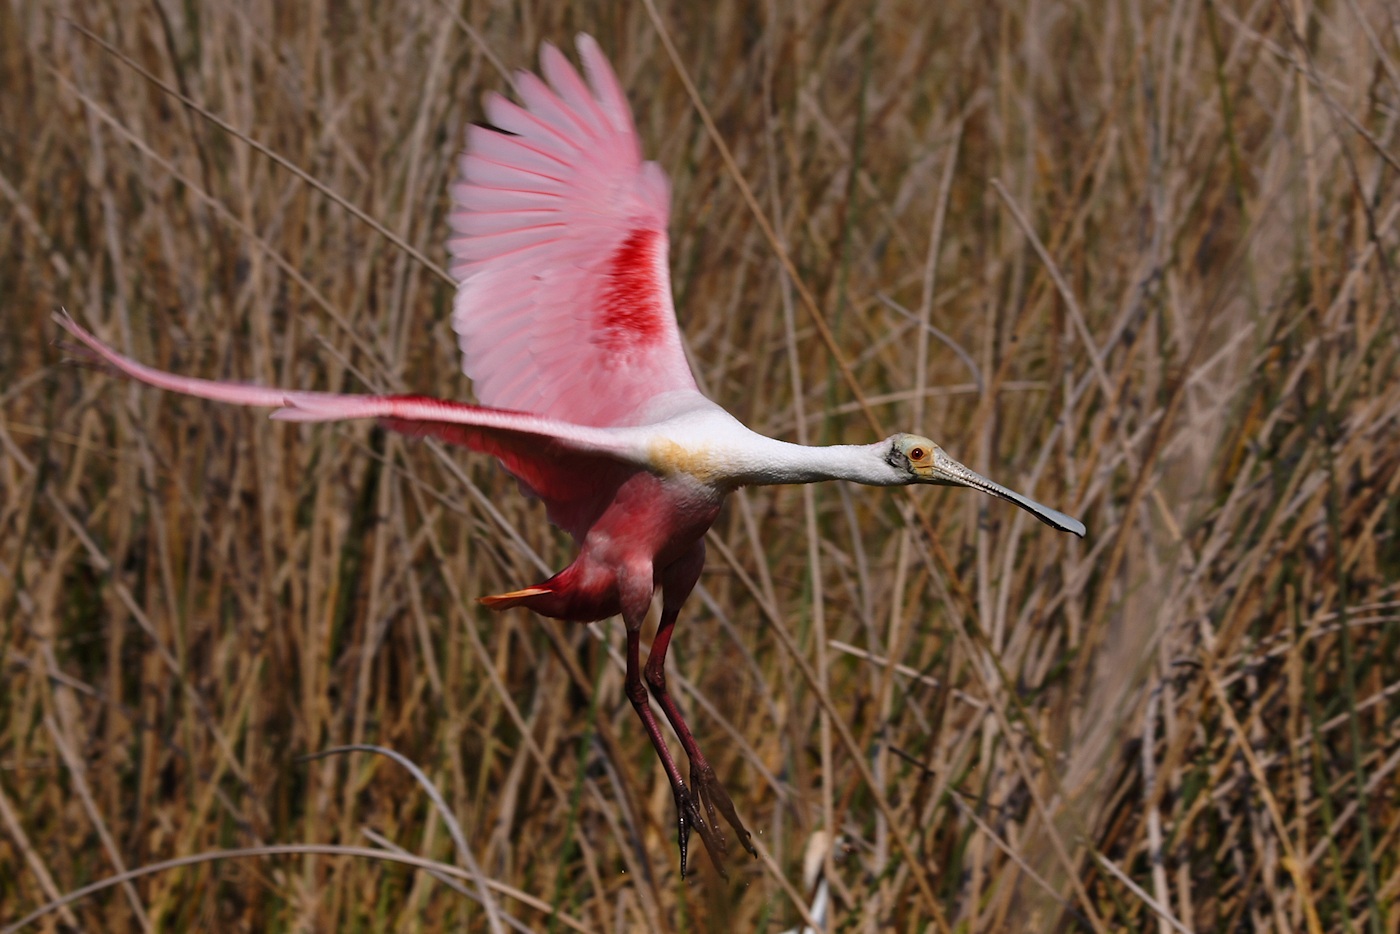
(668, 458)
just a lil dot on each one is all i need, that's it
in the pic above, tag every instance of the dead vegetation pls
(1138, 260)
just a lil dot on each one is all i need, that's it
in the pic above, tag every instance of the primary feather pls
(560, 250)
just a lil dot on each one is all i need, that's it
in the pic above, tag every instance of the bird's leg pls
(677, 581)
(635, 604)
(706, 790)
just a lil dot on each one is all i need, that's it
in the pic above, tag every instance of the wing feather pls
(502, 148)
(489, 222)
(541, 100)
(479, 170)
(518, 121)
(572, 468)
(606, 88)
(559, 246)
(487, 198)
(575, 95)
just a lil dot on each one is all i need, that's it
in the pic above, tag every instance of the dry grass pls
(1161, 242)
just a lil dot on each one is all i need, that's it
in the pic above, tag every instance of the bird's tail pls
(564, 596)
(504, 601)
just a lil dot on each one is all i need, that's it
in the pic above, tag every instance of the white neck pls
(703, 440)
(773, 462)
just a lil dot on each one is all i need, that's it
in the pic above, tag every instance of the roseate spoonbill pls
(564, 317)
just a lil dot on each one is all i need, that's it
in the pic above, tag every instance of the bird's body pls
(565, 321)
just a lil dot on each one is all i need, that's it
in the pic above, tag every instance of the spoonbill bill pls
(564, 317)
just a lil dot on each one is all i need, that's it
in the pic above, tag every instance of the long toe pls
(715, 798)
(691, 817)
(683, 826)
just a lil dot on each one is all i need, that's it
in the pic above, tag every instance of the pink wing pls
(564, 307)
(573, 468)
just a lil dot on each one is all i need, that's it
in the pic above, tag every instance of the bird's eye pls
(916, 454)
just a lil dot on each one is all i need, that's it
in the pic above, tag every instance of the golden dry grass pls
(1159, 242)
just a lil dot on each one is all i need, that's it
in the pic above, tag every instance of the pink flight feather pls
(564, 307)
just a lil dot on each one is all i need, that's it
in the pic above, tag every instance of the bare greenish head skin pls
(925, 462)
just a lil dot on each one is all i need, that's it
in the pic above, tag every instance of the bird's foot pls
(689, 817)
(699, 808)
(715, 798)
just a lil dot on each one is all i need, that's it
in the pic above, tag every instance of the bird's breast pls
(656, 516)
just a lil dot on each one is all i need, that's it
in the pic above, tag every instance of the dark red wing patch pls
(631, 310)
(575, 487)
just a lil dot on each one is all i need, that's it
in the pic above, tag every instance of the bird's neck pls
(773, 462)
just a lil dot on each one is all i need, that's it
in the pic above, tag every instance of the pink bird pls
(564, 317)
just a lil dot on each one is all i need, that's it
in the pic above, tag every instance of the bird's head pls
(916, 459)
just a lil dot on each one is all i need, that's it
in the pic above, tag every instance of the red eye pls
(916, 454)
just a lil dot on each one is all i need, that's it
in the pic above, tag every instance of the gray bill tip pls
(965, 476)
(1057, 519)
(1051, 517)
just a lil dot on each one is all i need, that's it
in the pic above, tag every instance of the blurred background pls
(1136, 260)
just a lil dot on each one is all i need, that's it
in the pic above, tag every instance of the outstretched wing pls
(575, 486)
(564, 304)
(575, 469)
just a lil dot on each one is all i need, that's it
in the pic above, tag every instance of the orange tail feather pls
(504, 601)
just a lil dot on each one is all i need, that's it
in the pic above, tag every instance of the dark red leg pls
(636, 600)
(677, 581)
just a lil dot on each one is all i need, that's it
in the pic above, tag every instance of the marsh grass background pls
(1137, 260)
